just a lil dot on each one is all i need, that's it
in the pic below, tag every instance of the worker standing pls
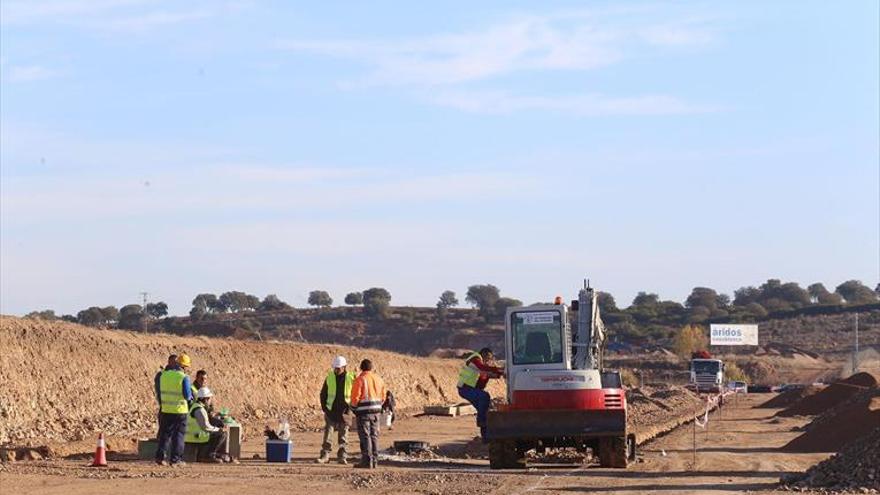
(174, 391)
(472, 380)
(335, 398)
(367, 396)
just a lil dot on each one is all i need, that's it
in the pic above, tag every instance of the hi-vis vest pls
(469, 374)
(171, 392)
(194, 432)
(371, 390)
(331, 388)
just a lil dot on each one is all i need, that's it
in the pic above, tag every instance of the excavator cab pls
(558, 395)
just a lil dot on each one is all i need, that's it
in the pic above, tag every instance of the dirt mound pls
(856, 467)
(840, 426)
(653, 410)
(832, 395)
(789, 397)
(63, 381)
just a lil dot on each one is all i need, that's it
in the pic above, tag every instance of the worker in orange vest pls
(367, 396)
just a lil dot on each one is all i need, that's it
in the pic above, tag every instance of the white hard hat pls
(339, 362)
(204, 393)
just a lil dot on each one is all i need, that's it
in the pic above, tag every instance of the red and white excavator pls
(558, 394)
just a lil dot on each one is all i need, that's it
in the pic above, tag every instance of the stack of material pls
(856, 467)
(832, 395)
(789, 397)
(840, 426)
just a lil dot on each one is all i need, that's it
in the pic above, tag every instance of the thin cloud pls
(587, 105)
(29, 73)
(108, 15)
(562, 41)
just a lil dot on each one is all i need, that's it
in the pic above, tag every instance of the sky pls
(279, 147)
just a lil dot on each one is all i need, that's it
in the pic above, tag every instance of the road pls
(738, 453)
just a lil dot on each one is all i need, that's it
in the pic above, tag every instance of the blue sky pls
(280, 147)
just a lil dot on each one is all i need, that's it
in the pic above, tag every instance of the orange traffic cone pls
(100, 453)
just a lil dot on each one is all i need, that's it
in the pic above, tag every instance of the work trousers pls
(172, 429)
(215, 446)
(341, 429)
(480, 399)
(368, 434)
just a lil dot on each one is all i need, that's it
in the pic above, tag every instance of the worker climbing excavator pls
(558, 393)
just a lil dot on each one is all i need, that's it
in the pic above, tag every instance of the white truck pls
(707, 374)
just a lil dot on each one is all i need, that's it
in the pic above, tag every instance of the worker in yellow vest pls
(335, 397)
(200, 430)
(174, 392)
(472, 380)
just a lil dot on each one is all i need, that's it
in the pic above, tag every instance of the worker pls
(472, 380)
(200, 430)
(174, 391)
(200, 381)
(367, 395)
(335, 398)
(388, 408)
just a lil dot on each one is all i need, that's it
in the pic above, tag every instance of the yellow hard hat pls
(184, 360)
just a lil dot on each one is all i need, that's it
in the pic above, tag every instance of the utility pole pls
(856, 352)
(144, 311)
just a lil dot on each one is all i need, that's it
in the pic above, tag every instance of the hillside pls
(63, 380)
(418, 331)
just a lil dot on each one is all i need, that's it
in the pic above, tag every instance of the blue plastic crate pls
(279, 450)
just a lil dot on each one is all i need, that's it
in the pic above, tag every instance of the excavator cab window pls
(537, 337)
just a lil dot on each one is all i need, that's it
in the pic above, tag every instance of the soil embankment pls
(63, 381)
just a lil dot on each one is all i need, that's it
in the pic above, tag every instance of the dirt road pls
(739, 453)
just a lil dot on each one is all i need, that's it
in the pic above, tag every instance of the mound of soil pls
(789, 397)
(66, 382)
(856, 467)
(840, 426)
(832, 395)
(654, 410)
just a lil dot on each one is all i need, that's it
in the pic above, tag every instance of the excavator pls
(558, 393)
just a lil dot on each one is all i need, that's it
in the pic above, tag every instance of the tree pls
(821, 295)
(238, 301)
(156, 310)
(376, 302)
(320, 298)
(111, 314)
(46, 314)
(704, 297)
(447, 300)
(206, 303)
(855, 292)
(92, 317)
(645, 299)
(68, 318)
(131, 317)
(272, 303)
(690, 339)
(756, 310)
(354, 298)
(197, 313)
(746, 295)
(484, 298)
(606, 302)
(503, 303)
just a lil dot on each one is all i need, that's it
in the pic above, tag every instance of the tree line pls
(646, 316)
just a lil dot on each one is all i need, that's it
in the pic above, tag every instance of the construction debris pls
(856, 467)
(464, 409)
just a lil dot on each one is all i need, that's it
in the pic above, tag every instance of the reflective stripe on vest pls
(194, 432)
(370, 403)
(171, 392)
(331, 388)
(469, 375)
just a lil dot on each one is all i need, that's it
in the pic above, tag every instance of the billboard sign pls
(724, 334)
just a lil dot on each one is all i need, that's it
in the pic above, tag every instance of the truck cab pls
(707, 375)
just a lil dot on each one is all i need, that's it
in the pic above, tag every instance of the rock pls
(32, 455)
(7, 455)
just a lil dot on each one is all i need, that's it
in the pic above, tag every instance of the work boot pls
(324, 458)
(342, 460)
(178, 464)
(161, 462)
(364, 464)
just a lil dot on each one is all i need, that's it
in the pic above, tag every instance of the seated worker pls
(201, 430)
(200, 381)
